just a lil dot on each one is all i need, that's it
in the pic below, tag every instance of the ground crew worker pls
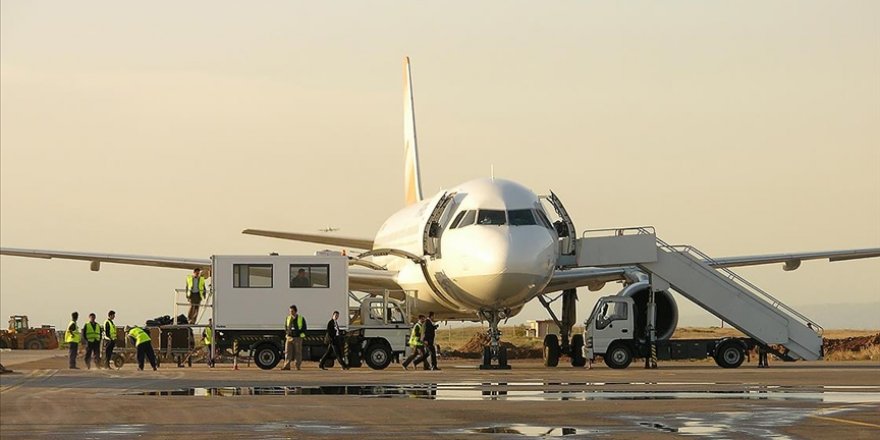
(762, 356)
(195, 293)
(92, 334)
(417, 343)
(333, 338)
(72, 338)
(208, 338)
(295, 331)
(430, 332)
(109, 337)
(144, 347)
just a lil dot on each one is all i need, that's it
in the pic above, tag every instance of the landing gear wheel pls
(34, 344)
(618, 356)
(577, 351)
(328, 363)
(378, 356)
(730, 355)
(551, 351)
(266, 356)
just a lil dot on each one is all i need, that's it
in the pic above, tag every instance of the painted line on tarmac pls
(851, 422)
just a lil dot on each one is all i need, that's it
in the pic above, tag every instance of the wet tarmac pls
(679, 400)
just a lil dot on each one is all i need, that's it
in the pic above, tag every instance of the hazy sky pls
(165, 128)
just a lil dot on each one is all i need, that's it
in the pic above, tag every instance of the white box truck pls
(252, 295)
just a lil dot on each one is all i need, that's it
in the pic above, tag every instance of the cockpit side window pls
(491, 217)
(543, 218)
(457, 219)
(468, 219)
(521, 217)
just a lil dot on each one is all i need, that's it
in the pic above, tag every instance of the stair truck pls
(252, 294)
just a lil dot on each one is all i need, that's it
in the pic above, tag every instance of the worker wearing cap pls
(144, 347)
(294, 331)
(109, 337)
(195, 293)
(92, 334)
(72, 338)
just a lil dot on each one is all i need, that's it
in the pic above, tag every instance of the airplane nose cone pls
(506, 266)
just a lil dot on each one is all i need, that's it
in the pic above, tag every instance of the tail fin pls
(412, 178)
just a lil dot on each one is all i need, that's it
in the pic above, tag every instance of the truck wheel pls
(618, 356)
(577, 351)
(378, 356)
(551, 351)
(266, 356)
(34, 344)
(118, 361)
(729, 354)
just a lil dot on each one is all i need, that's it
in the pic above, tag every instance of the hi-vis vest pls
(112, 335)
(72, 336)
(201, 287)
(139, 335)
(299, 324)
(415, 335)
(93, 332)
(209, 335)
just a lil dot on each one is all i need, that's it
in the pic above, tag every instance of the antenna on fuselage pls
(492, 172)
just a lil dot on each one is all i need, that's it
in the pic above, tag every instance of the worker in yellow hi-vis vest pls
(196, 291)
(72, 338)
(144, 346)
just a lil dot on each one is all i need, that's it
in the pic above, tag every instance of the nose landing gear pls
(495, 355)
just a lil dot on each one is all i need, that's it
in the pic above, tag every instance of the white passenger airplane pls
(479, 251)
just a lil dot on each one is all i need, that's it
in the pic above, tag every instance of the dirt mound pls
(857, 347)
(473, 349)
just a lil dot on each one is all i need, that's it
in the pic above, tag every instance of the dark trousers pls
(334, 348)
(108, 351)
(93, 348)
(432, 350)
(72, 349)
(418, 355)
(146, 349)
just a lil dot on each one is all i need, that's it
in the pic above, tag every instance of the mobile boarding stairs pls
(721, 292)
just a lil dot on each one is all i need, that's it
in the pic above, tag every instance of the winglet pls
(412, 177)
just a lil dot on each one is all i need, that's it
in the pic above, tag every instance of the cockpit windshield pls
(521, 217)
(491, 217)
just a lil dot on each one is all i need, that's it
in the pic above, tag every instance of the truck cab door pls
(613, 321)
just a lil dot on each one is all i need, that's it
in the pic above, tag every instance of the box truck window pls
(310, 275)
(252, 275)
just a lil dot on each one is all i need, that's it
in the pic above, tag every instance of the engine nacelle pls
(667, 309)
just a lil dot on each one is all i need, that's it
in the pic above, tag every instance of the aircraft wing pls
(593, 277)
(793, 260)
(358, 278)
(334, 240)
(97, 258)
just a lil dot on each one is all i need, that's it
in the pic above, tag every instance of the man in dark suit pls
(333, 338)
(430, 331)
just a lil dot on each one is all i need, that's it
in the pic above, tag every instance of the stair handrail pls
(688, 249)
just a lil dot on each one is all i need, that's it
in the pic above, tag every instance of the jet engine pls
(667, 309)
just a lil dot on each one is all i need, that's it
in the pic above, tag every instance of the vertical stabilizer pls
(412, 177)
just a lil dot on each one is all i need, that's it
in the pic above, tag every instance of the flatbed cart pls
(171, 343)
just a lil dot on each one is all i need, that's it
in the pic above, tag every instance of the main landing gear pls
(495, 355)
(565, 343)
